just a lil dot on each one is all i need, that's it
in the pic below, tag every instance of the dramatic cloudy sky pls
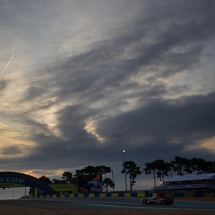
(91, 78)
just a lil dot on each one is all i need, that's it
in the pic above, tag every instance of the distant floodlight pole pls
(125, 172)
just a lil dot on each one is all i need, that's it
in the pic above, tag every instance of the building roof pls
(193, 177)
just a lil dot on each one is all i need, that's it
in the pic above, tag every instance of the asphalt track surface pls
(113, 203)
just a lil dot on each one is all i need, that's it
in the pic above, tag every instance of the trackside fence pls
(129, 195)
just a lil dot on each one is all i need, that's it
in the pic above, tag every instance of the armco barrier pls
(188, 194)
(120, 194)
(209, 195)
(128, 195)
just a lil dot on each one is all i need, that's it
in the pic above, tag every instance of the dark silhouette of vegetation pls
(179, 165)
(56, 181)
(69, 179)
(131, 168)
(196, 165)
(103, 170)
(45, 179)
(159, 168)
(94, 170)
(108, 182)
(162, 169)
(170, 168)
(150, 168)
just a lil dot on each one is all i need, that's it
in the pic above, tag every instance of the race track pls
(114, 203)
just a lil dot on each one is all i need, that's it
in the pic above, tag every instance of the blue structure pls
(15, 179)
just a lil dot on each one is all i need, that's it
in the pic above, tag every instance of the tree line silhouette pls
(159, 168)
(180, 166)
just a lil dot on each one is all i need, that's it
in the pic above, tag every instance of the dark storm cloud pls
(33, 92)
(186, 121)
(159, 44)
(178, 39)
(3, 85)
(160, 129)
(12, 150)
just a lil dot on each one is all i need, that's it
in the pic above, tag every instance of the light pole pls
(125, 172)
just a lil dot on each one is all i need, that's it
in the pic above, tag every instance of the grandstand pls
(197, 182)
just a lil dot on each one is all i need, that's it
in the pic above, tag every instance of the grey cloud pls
(182, 118)
(12, 150)
(167, 125)
(103, 71)
(175, 47)
(3, 85)
(159, 44)
(33, 92)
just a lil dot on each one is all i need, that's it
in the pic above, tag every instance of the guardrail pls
(128, 195)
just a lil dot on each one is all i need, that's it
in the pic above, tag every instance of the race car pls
(149, 201)
(164, 201)
(158, 201)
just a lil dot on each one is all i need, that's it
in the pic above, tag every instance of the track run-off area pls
(111, 203)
